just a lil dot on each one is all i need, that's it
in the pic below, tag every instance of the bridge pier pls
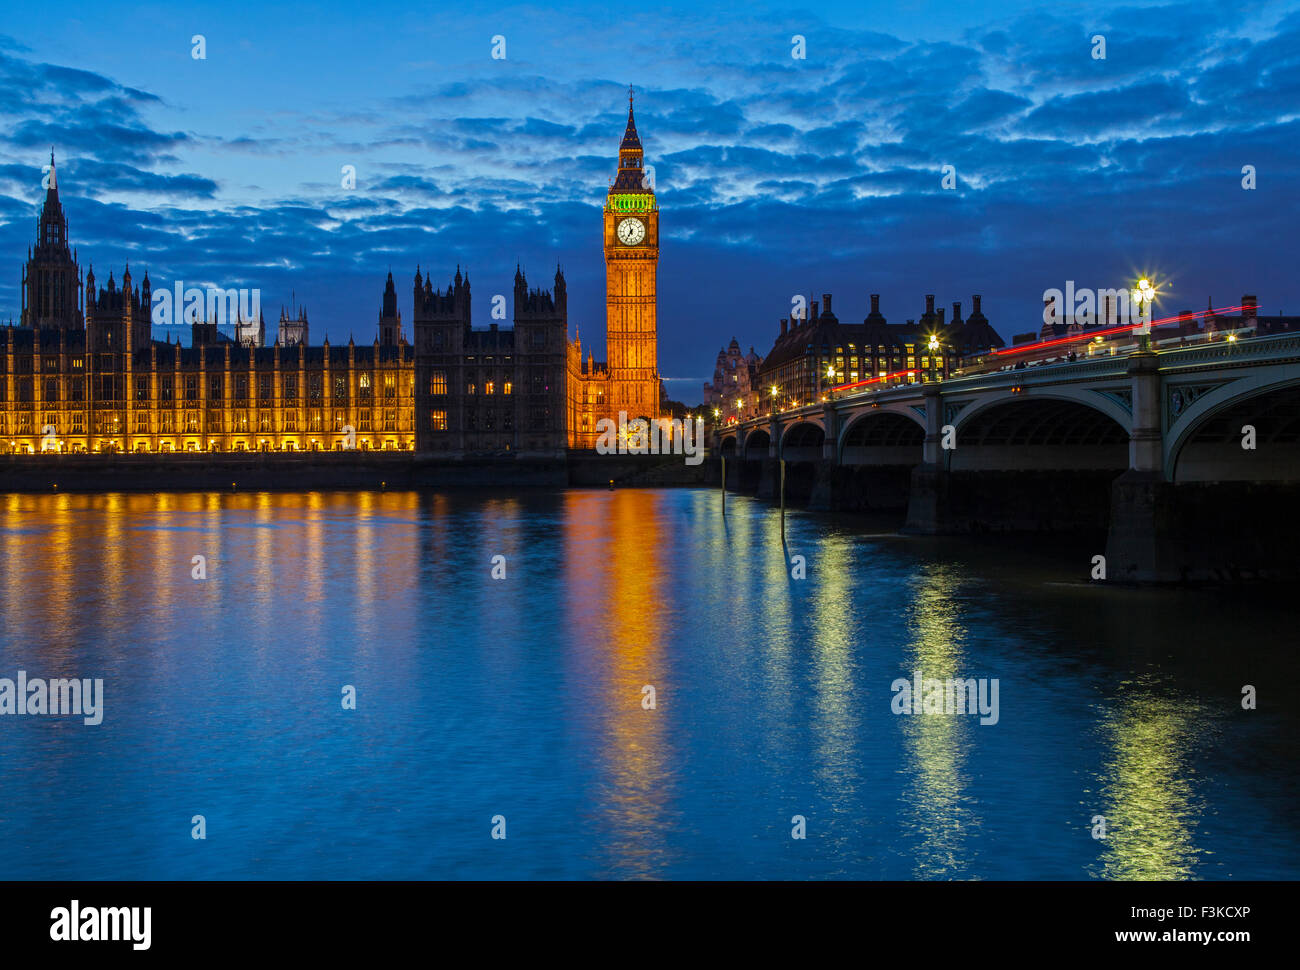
(928, 498)
(824, 495)
(928, 501)
(769, 479)
(825, 490)
(1139, 544)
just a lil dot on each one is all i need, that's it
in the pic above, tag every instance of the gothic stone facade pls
(495, 390)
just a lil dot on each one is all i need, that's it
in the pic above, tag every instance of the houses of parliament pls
(83, 372)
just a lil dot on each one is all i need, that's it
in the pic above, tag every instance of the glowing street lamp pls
(933, 347)
(1144, 296)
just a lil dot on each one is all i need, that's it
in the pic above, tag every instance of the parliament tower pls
(628, 381)
(631, 219)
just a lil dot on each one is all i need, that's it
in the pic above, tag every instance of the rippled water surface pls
(522, 697)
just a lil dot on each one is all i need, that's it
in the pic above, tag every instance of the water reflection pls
(524, 696)
(941, 816)
(835, 717)
(1147, 788)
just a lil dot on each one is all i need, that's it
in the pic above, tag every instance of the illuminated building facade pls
(83, 373)
(88, 377)
(65, 390)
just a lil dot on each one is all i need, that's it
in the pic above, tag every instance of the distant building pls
(250, 333)
(801, 360)
(734, 388)
(292, 331)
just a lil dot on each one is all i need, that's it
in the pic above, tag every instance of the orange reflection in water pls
(617, 589)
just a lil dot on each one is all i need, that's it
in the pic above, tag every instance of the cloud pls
(774, 176)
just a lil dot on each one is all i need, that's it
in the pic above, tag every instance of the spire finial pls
(629, 106)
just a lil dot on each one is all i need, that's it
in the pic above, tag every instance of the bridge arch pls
(1207, 442)
(758, 444)
(727, 446)
(892, 436)
(1057, 432)
(1079, 395)
(802, 441)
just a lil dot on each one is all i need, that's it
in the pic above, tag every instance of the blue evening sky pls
(776, 176)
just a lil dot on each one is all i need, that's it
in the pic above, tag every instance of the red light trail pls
(1109, 331)
(876, 380)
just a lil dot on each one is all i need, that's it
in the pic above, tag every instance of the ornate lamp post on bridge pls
(1143, 296)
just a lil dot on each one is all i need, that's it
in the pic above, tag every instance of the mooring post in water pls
(724, 484)
(782, 499)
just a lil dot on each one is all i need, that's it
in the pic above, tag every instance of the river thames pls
(522, 697)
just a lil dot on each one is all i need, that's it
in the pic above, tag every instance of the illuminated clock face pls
(631, 231)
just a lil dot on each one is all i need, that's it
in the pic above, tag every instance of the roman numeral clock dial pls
(631, 232)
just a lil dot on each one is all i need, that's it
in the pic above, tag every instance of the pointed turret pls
(51, 291)
(390, 319)
(631, 176)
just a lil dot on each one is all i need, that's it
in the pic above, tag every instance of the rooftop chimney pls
(814, 312)
(975, 304)
(940, 316)
(875, 302)
(929, 304)
(826, 301)
(956, 313)
(1249, 306)
(783, 326)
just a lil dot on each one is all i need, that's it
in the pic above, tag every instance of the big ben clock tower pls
(631, 263)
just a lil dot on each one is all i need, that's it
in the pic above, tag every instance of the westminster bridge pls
(1188, 457)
